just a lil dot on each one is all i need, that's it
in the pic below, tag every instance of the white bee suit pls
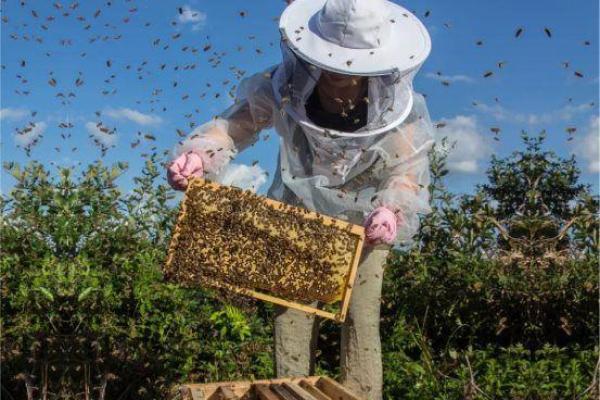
(342, 174)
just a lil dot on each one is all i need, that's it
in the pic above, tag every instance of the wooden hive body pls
(235, 240)
(308, 388)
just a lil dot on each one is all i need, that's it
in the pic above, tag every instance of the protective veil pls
(342, 174)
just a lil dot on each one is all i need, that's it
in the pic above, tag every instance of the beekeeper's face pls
(389, 97)
(340, 81)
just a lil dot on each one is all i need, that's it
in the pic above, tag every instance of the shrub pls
(86, 311)
(499, 298)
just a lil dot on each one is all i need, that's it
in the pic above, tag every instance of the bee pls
(519, 32)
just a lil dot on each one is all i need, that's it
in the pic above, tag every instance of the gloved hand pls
(184, 166)
(381, 226)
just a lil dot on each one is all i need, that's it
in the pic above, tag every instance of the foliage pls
(86, 313)
(488, 373)
(497, 300)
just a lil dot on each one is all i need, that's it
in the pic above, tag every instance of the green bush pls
(497, 300)
(487, 373)
(85, 307)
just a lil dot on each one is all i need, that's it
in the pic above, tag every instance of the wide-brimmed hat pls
(355, 37)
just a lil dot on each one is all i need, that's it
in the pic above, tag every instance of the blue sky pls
(535, 89)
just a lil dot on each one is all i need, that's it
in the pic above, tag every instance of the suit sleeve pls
(404, 188)
(218, 141)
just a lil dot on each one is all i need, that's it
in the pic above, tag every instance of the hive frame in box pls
(356, 230)
(314, 387)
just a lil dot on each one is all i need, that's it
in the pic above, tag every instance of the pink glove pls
(380, 226)
(184, 166)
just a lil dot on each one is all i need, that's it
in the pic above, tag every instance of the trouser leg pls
(362, 370)
(295, 342)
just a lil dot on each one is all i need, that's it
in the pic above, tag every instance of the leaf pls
(453, 354)
(47, 294)
(86, 292)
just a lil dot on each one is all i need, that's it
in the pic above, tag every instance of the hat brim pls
(407, 48)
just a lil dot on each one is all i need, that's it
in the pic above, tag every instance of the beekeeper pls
(354, 139)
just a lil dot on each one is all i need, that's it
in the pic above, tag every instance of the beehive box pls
(235, 240)
(309, 388)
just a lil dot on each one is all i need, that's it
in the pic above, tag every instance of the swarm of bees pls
(228, 235)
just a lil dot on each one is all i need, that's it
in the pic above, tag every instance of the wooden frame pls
(349, 277)
(300, 388)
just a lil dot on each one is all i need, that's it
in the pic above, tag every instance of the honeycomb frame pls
(340, 267)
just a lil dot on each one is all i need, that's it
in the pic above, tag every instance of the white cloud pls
(191, 16)
(565, 113)
(449, 78)
(134, 116)
(243, 176)
(33, 133)
(67, 161)
(13, 113)
(587, 147)
(471, 146)
(106, 139)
